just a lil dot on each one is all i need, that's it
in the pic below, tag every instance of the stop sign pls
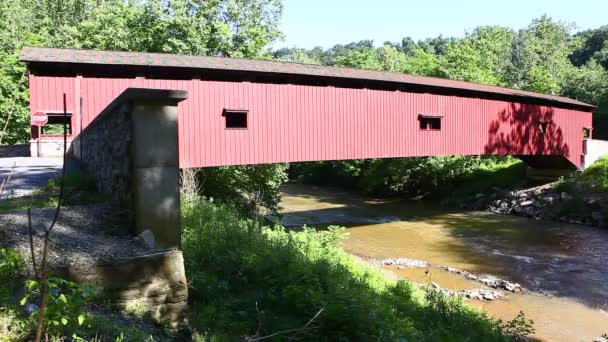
(39, 119)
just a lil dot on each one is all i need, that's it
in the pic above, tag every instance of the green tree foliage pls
(594, 47)
(249, 186)
(237, 28)
(540, 56)
(432, 177)
(481, 57)
(588, 83)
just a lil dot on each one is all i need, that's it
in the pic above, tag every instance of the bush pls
(12, 327)
(248, 186)
(11, 263)
(66, 305)
(417, 177)
(251, 280)
(596, 175)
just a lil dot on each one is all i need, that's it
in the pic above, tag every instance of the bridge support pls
(131, 150)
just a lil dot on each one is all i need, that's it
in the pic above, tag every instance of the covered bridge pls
(248, 111)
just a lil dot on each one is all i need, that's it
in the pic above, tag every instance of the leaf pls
(63, 298)
(64, 321)
(81, 319)
(31, 284)
(24, 300)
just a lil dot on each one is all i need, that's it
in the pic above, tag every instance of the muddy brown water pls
(564, 267)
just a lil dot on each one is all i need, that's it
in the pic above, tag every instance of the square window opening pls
(55, 124)
(236, 119)
(430, 123)
(587, 133)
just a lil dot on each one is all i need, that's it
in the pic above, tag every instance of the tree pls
(481, 57)
(594, 46)
(423, 63)
(296, 55)
(540, 53)
(362, 58)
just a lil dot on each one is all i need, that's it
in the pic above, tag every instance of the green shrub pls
(251, 280)
(10, 264)
(424, 177)
(106, 329)
(596, 175)
(248, 186)
(12, 327)
(66, 305)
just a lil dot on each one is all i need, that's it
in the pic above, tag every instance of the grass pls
(596, 176)
(251, 280)
(42, 200)
(593, 180)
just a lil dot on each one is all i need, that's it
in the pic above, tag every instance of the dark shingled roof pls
(98, 57)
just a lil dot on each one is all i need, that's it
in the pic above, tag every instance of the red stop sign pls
(39, 119)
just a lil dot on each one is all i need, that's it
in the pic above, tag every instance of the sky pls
(310, 23)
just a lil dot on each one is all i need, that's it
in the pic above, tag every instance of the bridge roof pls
(99, 57)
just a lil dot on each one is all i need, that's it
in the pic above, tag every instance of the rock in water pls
(526, 203)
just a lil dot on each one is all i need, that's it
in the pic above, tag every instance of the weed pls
(11, 263)
(12, 327)
(66, 305)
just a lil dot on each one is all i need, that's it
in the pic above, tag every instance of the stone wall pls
(152, 285)
(103, 149)
(8, 151)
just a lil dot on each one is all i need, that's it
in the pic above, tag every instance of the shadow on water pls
(556, 258)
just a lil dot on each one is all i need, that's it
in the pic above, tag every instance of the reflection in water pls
(566, 261)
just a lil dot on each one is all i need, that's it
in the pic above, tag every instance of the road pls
(27, 174)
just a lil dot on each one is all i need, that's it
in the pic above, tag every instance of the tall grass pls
(252, 280)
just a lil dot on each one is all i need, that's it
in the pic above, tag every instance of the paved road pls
(28, 174)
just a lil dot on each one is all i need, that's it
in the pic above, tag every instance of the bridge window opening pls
(430, 123)
(54, 126)
(236, 118)
(587, 133)
(542, 127)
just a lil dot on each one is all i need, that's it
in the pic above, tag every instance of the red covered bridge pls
(249, 112)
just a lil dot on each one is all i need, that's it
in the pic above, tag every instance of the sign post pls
(39, 119)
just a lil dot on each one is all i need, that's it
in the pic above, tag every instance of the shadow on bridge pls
(532, 134)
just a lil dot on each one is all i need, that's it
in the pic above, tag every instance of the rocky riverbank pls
(493, 289)
(555, 201)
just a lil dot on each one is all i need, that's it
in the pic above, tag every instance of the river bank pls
(562, 267)
(554, 201)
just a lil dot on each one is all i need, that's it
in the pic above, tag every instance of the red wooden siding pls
(288, 123)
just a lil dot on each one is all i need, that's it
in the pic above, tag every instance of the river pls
(564, 268)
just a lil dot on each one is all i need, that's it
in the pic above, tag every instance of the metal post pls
(81, 136)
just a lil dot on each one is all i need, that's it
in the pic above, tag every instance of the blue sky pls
(309, 23)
